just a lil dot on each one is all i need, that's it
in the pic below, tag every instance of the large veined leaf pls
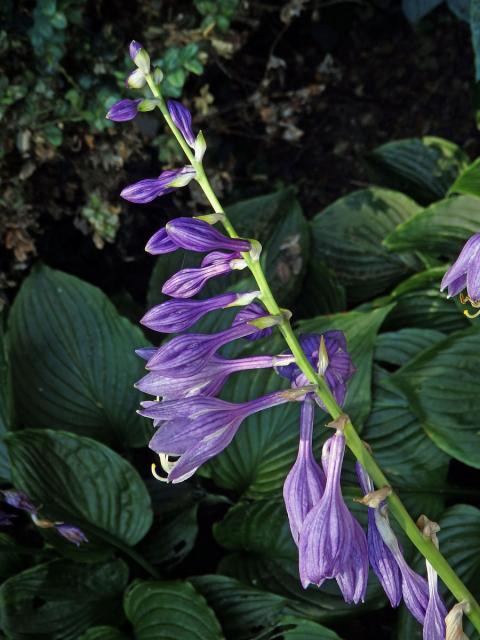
(441, 386)
(398, 347)
(348, 235)
(167, 610)
(322, 292)
(73, 360)
(265, 556)
(11, 558)
(423, 168)
(242, 610)
(468, 182)
(415, 10)
(442, 228)
(459, 539)
(61, 599)
(419, 303)
(293, 628)
(82, 482)
(104, 633)
(6, 404)
(265, 447)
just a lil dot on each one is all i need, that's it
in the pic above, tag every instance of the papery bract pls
(147, 190)
(305, 482)
(252, 312)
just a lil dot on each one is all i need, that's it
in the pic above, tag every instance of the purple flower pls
(177, 315)
(305, 483)
(328, 355)
(71, 533)
(197, 235)
(139, 56)
(188, 282)
(123, 110)
(182, 118)
(381, 558)
(147, 190)
(326, 538)
(134, 49)
(198, 428)
(434, 627)
(465, 271)
(160, 243)
(185, 355)
(252, 312)
(6, 519)
(208, 381)
(353, 579)
(19, 500)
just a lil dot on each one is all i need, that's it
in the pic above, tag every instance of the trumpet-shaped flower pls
(198, 428)
(465, 271)
(305, 483)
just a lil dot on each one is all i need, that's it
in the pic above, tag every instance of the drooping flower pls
(353, 579)
(123, 110)
(71, 533)
(19, 500)
(174, 316)
(182, 118)
(381, 558)
(188, 282)
(434, 624)
(208, 381)
(198, 428)
(186, 354)
(328, 532)
(328, 355)
(147, 190)
(252, 312)
(305, 483)
(198, 235)
(465, 273)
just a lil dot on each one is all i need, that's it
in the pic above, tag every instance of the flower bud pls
(139, 56)
(136, 79)
(200, 147)
(123, 110)
(157, 76)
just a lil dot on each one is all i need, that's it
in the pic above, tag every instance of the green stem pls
(424, 545)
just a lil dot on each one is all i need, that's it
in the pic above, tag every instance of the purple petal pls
(177, 315)
(19, 500)
(383, 563)
(71, 533)
(252, 311)
(434, 627)
(182, 119)
(188, 282)
(353, 580)
(145, 191)
(414, 590)
(198, 235)
(473, 278)
(123, 110)
(160, 243)
(305, 483)
(460, 267)
(134, 48)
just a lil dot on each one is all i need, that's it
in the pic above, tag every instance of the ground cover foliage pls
(213, 558)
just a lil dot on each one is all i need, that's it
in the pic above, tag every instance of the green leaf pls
(278, 222)
(419, 303)
(322, 292)
(104, 633)
(61, 599)
(423, 168)
(82, 482)
(415, 10)
(441, 229)
(243, 611)
(398, 347)
(293, 628)
(265, 556)
(12, 560)
(73, 360)
(6, 404)
(167, 610)
(265, 447)
(468, 182)
(348, 235)
(441, 386)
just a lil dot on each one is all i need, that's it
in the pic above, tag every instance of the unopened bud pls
(200, 147)
(136, 79)
(139, 56)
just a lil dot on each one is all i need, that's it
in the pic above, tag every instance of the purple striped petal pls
(147, 190)
(174, 316)
(305, 483)
(198, 235)
(182, 119)
(160, 243)
(353, 580)
(19, 500)
(123, 110)
(434, 627)
(188, 282)
(467, 261)
(71, 533)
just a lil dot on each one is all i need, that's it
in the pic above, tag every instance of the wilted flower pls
(465, 273)
(198, 235)
(188, 282)
(454, 621)
(328, 355)
(305, 482)
(147, 190)
(123, 110)
(198, 428)
(328, 532)
(71, 533)
(434, 623)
